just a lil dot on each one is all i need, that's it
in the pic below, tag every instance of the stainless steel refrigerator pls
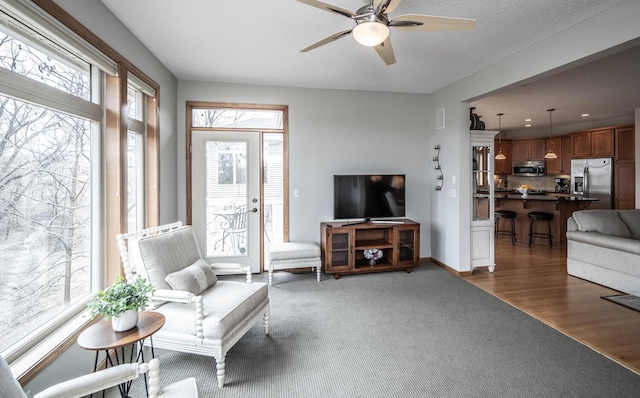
(593, 178)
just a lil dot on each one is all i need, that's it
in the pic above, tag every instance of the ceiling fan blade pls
(431, 23)
(385, 51)
(328, 7)
(327, 40)
(385, 6)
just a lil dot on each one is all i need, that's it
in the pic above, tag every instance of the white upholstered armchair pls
(204, 315)
(101, 380)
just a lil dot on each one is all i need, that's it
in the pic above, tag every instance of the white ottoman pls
(290, 255)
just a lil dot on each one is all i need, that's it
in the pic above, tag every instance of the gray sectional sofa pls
(603, 246)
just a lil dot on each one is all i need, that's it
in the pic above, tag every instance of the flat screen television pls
(368, 196)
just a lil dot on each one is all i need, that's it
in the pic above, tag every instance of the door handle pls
(254, 210)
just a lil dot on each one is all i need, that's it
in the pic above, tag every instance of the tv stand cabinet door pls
(338, 250)
(408, 244)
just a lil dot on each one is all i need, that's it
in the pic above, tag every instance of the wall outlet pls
(453, 179)
(296, 193)
(453, 193)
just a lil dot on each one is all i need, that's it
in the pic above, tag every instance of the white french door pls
(226, 196)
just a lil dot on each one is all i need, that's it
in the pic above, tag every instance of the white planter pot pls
(127, 320)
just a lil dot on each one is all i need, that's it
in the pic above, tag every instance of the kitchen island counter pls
(561, 206)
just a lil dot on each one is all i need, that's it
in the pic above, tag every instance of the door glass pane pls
(481, 188)
(272, 177)
(226, 198)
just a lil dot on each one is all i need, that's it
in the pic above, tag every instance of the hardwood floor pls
(535, 280)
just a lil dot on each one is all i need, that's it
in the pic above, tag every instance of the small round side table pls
(102, 337)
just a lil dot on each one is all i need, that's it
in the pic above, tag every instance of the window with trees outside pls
(137, 93)
(46, 200)
(57, 230)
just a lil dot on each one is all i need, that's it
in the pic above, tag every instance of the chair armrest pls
(94, 382)
(233, 268)
(176, 296)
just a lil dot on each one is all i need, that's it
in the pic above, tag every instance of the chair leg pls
(550, 241)
(531, 233)
(495, 228)
(513, 232)
(265, 320)
(318, 272)
(220, 367)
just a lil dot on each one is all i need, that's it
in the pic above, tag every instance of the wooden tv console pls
(343, 245)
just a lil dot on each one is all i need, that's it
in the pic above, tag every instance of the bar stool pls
(509, 215)
(540, 216)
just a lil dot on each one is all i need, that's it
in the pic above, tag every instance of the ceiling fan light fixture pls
(370, 33)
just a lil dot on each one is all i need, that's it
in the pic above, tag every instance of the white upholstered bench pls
(289, 255)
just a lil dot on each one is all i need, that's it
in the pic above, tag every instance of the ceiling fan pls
(371, 25)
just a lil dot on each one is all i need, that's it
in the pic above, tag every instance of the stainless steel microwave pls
(534, 168)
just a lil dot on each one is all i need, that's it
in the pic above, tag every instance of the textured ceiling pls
(258, 42)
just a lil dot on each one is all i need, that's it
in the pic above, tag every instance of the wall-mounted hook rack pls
(440, 176)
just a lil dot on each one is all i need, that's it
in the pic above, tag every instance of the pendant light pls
(500, 155)
(551, 153)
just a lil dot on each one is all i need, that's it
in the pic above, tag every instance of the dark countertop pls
(549, 198)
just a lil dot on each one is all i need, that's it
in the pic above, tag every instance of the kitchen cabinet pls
(503, 166)
(624, 188)
(625, 144)
(524, 150)
(624, 197)
(554, 166)
(567, 149)
(593, 144)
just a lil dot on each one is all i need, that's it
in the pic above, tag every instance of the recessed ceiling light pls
(527, 125)
(528, 120)
(585, 115)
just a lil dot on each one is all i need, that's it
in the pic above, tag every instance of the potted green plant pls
(120, 302)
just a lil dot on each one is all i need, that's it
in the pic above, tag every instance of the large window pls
(136, 200)
(46, 201)
(61, 157)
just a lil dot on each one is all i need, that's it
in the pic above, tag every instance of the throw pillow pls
(195, 278)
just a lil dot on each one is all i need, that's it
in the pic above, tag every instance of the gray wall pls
(332, 132)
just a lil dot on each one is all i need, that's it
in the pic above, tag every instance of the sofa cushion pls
(606, 222)
(632, 219)
(598, 240)
(195, 279)
(167, 253)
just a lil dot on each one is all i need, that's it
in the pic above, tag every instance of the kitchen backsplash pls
(505, 181)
